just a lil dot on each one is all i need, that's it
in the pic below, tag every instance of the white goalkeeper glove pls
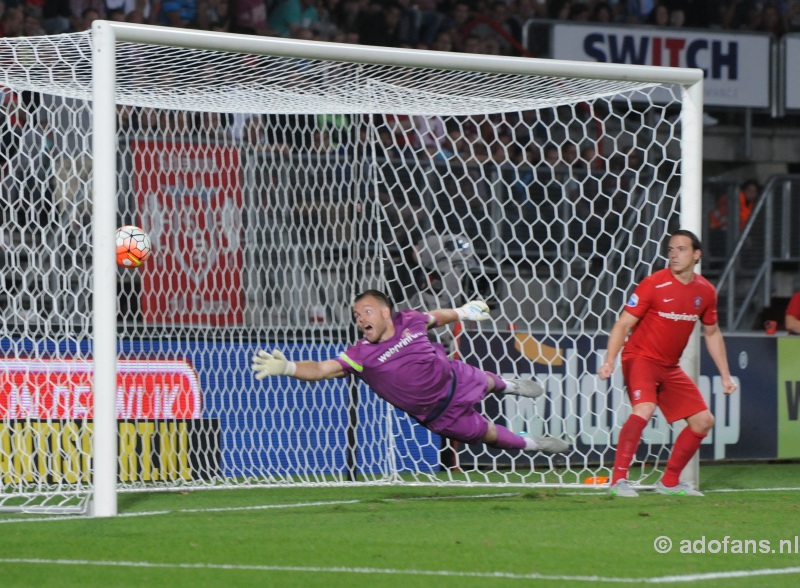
(474, 310)
(275, 364)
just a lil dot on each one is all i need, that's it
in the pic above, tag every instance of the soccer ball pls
(133, 246)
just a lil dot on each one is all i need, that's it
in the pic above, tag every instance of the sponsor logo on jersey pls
(677, 316)
(406, 340)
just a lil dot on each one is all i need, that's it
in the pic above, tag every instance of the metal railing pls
(764, 264)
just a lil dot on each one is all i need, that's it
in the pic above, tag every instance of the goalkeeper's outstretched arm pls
(475, 310)
(276, 364)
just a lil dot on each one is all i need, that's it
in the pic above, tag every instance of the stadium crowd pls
(472, 26)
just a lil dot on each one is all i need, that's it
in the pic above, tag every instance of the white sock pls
(531, 444)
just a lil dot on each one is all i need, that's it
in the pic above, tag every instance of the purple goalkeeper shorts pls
(461, 420)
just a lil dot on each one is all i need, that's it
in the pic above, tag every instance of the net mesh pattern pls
(273, 189)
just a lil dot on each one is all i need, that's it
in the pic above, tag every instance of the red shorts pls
(670, 388)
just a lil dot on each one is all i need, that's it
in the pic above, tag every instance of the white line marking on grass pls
(596, 492)
(256, 507)
(603, 489)
(454, 497)
(398, 572)
(753, 490)
(186, 510)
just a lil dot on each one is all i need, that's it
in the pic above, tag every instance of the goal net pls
(277, 179)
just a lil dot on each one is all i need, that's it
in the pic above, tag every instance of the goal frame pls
(106, 35)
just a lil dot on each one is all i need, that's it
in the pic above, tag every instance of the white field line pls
(673, 579)
(257, 507)
(337, 502)
(602, 489)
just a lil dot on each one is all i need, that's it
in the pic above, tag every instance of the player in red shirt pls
(792, 319)
(660, 317)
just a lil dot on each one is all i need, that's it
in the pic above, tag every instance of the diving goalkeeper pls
(397, 360)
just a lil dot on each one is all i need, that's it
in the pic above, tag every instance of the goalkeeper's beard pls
(371, 334)
(374, 334)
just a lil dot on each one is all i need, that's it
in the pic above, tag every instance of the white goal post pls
(277, 178)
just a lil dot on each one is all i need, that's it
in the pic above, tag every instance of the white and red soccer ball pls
(133, 246)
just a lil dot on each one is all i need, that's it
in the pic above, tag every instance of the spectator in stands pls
(346, 14)
(559, 9)
(178, 13)
(472, 44)
(139, 11)
(250, 17)
(86, 18)
(792, 320)
(71, 160)
(740, 14)
(77, 10)
(12, 21)
(382, 27)
(697, 13)
(550, 155)
(530, 129)
(628, 166)
(118, 9)
(493, 26)
(55, 17)
(639, 10)
(491, 46)
(443, 42)
(25, 194)
(748, 195)
(677, 18)
(426, 23)
(772, 21)
(456, 22)
(580, 12)
(116, 14)
(288, 15)
(601, 13)
(793, 17)
(719, 215)
(521, 12)
(659, 16)
(32, 23)
(327, 25)
(429, 131)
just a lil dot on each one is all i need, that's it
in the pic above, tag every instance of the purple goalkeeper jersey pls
(407, 370)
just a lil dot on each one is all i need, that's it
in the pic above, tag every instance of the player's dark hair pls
(749, 182)
(375, 294)
(684, 233)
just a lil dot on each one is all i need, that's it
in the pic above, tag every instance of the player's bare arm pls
(716, 349)
(314, 371)
(616, 340)
(474, 310)
(792, 324)
(276, 364)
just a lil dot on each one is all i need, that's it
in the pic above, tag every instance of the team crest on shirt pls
(633, 300)
(698, 301)
(637, 394)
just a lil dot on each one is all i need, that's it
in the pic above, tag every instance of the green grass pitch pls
(402, 536)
